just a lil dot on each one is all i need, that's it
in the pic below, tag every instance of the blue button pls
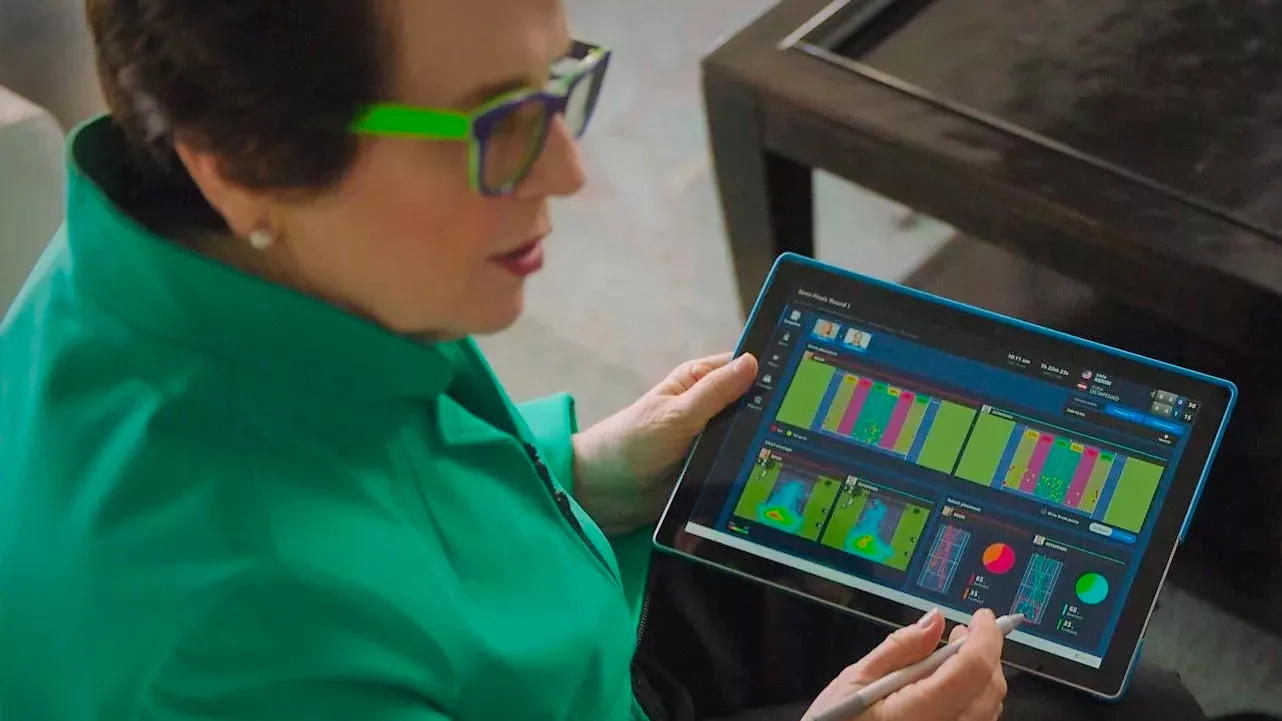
(1162, 425)
(1125, 413)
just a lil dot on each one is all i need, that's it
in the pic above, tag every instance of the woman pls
(254, 468)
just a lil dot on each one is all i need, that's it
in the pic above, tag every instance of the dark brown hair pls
(268, 86)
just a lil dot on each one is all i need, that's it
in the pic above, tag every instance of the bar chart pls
(1104, 484)
(892, 419)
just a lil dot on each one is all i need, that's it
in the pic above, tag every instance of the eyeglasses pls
(506, 135)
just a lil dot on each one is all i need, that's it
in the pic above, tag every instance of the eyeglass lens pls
(518, 131)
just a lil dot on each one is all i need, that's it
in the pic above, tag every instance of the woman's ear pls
(244, 211)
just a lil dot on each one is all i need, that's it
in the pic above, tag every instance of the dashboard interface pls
(933, 468)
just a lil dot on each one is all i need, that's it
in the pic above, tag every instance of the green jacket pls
(221, 500)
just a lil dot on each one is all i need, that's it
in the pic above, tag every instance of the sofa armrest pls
(32, 179)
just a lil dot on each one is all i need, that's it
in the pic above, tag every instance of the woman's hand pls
(623, 465)
(968, 687)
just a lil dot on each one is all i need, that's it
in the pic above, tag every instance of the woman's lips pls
(523, 261)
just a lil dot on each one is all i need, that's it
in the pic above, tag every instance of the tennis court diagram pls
(1035, 587)
(945, 555)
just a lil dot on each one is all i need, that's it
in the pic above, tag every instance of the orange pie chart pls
(999, 558)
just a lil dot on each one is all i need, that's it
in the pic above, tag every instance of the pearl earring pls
(261, 239)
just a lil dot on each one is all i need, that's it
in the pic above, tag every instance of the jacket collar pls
(204, 305)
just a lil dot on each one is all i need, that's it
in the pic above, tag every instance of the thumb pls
(714, 392)
(902, 648)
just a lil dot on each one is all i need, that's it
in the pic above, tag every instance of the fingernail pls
(928, 619)
(741, 362)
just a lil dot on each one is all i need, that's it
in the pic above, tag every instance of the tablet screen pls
(937, 465)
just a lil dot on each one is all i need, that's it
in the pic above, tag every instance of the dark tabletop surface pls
(1187, 93)
(1135, 145)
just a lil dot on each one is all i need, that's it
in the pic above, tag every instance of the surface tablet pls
(901, 451)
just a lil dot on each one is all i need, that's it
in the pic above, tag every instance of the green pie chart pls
(1092, 588)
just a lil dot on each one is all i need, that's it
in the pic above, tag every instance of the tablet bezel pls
(790, 271)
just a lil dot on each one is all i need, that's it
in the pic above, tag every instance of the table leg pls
(767, 200)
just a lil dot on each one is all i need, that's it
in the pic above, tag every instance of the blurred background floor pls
(639, 278)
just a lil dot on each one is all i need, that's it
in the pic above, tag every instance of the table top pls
(1132, 144)
(1185, 93)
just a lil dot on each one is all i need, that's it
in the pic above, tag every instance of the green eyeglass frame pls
(506, 135)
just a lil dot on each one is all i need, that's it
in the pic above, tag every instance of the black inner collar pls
(164, 200)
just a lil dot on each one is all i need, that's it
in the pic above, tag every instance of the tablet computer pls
(901, 452)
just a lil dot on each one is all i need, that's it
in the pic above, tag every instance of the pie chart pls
(1092, 588)
(1000, 558)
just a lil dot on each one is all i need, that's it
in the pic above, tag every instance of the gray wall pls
(46, 56)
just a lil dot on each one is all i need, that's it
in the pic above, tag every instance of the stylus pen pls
(890, 683)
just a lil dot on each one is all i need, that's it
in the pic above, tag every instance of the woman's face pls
(405, 239)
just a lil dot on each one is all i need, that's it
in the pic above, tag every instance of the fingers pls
(983, 642)
(961, 684)
(717, 389)
(684, 376)
(959, 632)
(989, 705)
(904, 647)
(713, 362)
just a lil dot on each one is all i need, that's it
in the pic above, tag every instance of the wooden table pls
(1116, 158)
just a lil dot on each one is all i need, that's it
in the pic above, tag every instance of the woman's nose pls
(558, 169)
